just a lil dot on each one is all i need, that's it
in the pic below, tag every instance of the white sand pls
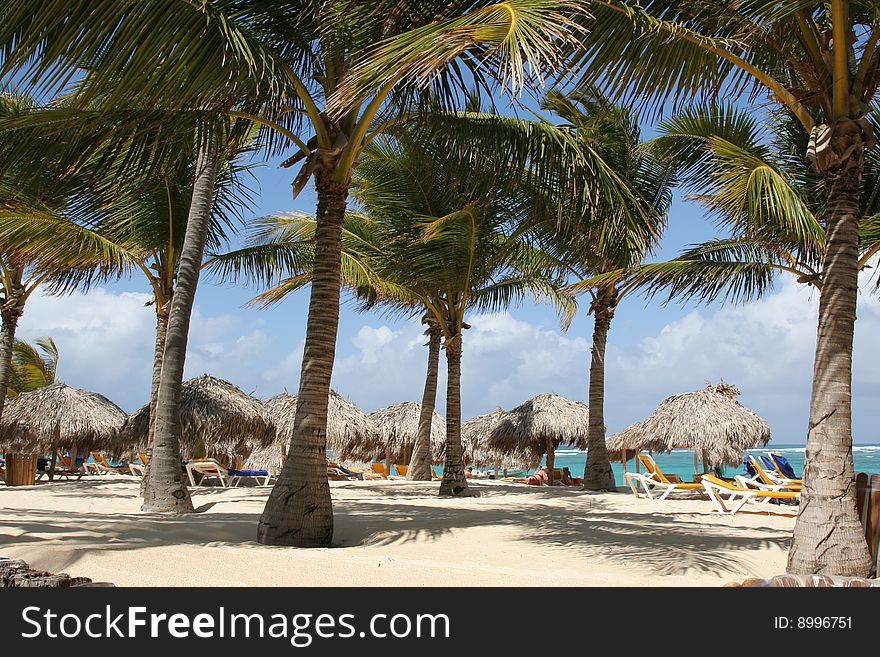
(393, 533)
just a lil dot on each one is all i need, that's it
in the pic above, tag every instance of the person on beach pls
(568, 480)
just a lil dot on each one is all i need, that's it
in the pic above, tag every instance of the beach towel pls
(747, 466)
(784, 465)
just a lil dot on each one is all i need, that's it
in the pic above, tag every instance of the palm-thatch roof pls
(709, 421)
(398, 426)
(349, 430)
(540, 421)
(475, 435)
(214, 415)
(60, 417)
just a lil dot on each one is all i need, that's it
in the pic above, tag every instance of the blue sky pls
(766, 348)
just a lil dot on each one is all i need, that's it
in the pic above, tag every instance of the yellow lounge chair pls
(102, 466)
(654, 480)
(739, 496)
(763, 477)
(401, 469)
(378, 468)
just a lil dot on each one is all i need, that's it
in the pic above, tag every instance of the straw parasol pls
(349, 431)
(214, 415)
(58, 417)
(475, 442)
(710, 421)
(398, 426)
(539, 425)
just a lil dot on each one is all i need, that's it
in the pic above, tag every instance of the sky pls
(105, 339)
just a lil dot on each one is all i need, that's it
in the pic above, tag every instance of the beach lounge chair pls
(762, 476)
(211, 469)
(654, 480)
(401, 469)
(378, 468)
(208, 469)
(782, 466)
(336, 473)
(139, 469)
(738, 496)
(100, 465)
(352, 474)
(435, 476)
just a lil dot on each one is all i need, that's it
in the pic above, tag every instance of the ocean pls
(866, 458)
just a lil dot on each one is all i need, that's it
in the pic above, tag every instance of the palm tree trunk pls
(164, 489)
(158, 352)
(597, 470)
(299, 511)
(420, 464)
(11, 311)
(454, 481)
(828, 537)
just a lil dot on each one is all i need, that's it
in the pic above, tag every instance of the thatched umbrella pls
(214, 415)
(539, 425)
(398, 426)
(349, 431)
(58, 417)
(710, 421)
(475, 434)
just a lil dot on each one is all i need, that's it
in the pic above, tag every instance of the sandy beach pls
(393, 533)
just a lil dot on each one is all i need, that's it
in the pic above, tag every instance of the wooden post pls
(623, 461)
(696, 466)
(497, 469)
(388, 460)
(551, 460)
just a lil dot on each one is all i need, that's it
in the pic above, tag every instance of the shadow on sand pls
(583, 523)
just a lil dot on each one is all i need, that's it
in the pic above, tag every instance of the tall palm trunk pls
(299, 511)
(10, 312)
(454, 481)
(828, 537)
(420, 464)
(158, 352)
(165, 490)
(597, 470)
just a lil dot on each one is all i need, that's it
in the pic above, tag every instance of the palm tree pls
(601, 241)
(33, 366)
(455, 243)
(46, 195)
(818, 60)
(144, 217)
(202, 63)
(750, 175)
(368, 69)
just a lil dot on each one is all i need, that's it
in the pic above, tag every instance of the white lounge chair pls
(738, 496)
(655, 481)
(210, 469)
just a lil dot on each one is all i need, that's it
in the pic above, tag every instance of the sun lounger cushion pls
(248, 473)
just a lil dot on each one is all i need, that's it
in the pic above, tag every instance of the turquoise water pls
(866, 458)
